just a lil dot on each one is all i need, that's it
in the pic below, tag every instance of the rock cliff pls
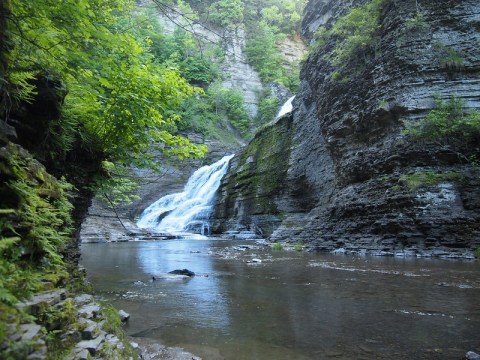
(345, 159)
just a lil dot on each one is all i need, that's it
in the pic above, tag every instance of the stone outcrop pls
(344, 187)
(85, 329)
(246, 199)
(236, 70)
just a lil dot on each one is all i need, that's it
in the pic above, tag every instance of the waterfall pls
(286, 108)
(190, 210)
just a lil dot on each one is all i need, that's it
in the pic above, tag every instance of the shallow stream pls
(250, 302)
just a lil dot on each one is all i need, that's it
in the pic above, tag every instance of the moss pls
(35, 223)
(298, 247)
(113, 323)
(262, 168)
(427, 178)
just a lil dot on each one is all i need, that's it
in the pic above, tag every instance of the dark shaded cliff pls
(349, 181)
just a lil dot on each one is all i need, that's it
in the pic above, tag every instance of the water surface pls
(249, 302)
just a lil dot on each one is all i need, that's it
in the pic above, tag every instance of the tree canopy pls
(119, 96)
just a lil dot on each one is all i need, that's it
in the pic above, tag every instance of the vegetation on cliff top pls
(351, 37)
(266, 22)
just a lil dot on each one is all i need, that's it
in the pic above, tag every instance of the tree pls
(117, 93)
(226, 12)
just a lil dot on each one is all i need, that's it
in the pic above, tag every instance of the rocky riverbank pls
(84, 328)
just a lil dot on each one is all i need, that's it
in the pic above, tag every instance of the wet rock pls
(472, 356)
(150, 350)
(184, 272)
(82, 354)
(89, 311)
(114, 342)
(124, 316)
(83, 299)
(8, 131)
(42, 300)
(91, 330)
(92, 345)
(30, 332)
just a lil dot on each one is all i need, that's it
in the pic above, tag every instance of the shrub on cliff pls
(353, 34)
(449, 124)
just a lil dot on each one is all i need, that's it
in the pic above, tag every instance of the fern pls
(21, 88)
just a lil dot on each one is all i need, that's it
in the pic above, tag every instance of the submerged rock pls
(184, 272)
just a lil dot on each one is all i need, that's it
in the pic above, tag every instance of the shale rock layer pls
(341, 181)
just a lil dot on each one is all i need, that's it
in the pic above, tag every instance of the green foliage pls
(448, 124)
(267, 107)
(35, 224)
(198, 114)
(197, 64)
(262, 51)
(277, 247)
(477, 253)
(283, 16)
(230, 103)
(113, 323)
(337, 76)
(199, 70)
(117, 92)
(215, 112)
(383, 104)
(226, 12)
(448, 57)
(298, 247)
(418, 22)
(353, 33)
(427, 178)
(267, 21)
(116, 186)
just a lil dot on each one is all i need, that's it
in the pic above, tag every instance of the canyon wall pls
(345, 187)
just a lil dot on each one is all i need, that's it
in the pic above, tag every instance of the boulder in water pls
(124, 316)
(472, 356)
(184, 272)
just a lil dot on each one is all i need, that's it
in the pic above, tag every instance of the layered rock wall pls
(344, 188)
(250, 197)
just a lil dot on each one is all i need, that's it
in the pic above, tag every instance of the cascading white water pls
(188, 211)
(286, 108)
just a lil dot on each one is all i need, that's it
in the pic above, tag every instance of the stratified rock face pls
(248, 194)
(343, 187)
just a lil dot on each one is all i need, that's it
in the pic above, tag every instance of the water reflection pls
(201, 296)
(290, 305)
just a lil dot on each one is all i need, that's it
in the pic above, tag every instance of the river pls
(248, 301)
